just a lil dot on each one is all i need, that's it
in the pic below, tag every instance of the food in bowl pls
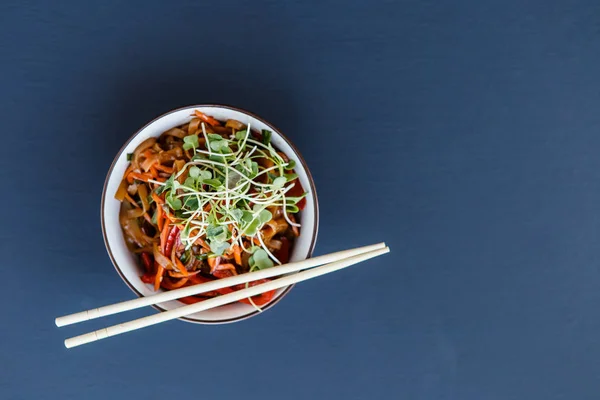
(207, 200)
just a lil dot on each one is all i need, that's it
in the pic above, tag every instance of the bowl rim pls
(283, 137)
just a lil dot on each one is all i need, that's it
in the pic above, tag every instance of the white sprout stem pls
(285, 215)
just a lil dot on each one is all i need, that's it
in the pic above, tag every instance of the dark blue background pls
(465, 134)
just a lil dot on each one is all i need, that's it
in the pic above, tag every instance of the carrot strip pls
(131, 200)
(207, 119)
(202, 243)
(159, 274)
(157, 199)
(148, 153)
(180, 266)
(127, 171)
(163, 168)
(164, 234)
(212, 262)
(153, 172)
(139, 176)
(237, 253)
(169, 216)
(159, 217)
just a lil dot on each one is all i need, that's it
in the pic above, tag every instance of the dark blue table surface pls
(465, 134)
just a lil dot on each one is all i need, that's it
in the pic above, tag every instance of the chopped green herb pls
(266, 136)
(290, 165)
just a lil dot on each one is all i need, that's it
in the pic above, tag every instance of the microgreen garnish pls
(229, 185)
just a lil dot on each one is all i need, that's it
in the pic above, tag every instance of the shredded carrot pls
(131, 200)
(160, 167)
(180, 266)
(164, 234)
(139, 176)
(158, 278)
(207, 119)
(212, 262)
(237, 253)
(159, 217)
(127, 171)
(169, 216)
(202, 243)
(153, 172)
(148, 153)
(157, 199)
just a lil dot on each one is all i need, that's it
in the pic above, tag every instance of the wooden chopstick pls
(210, 286)
(220, 300)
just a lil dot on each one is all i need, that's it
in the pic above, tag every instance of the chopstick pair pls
(333, 262)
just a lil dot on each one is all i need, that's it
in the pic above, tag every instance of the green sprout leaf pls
(167, 186)
(220, 146)
(194, 172)
(174, 202)
(190, 182)
(191, 203)
(294, 199)
(265, 216)
(190, 142)
(292, 208)
(279, 182)
(218, 247)
(240, 135)
(252, 227)
(237, 214)
(260, 260)
(218, 233)
(204, 175)
(213, 182)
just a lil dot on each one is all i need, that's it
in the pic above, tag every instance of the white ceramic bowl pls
(126, 263)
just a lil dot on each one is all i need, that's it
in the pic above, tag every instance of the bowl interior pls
(125, 262)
